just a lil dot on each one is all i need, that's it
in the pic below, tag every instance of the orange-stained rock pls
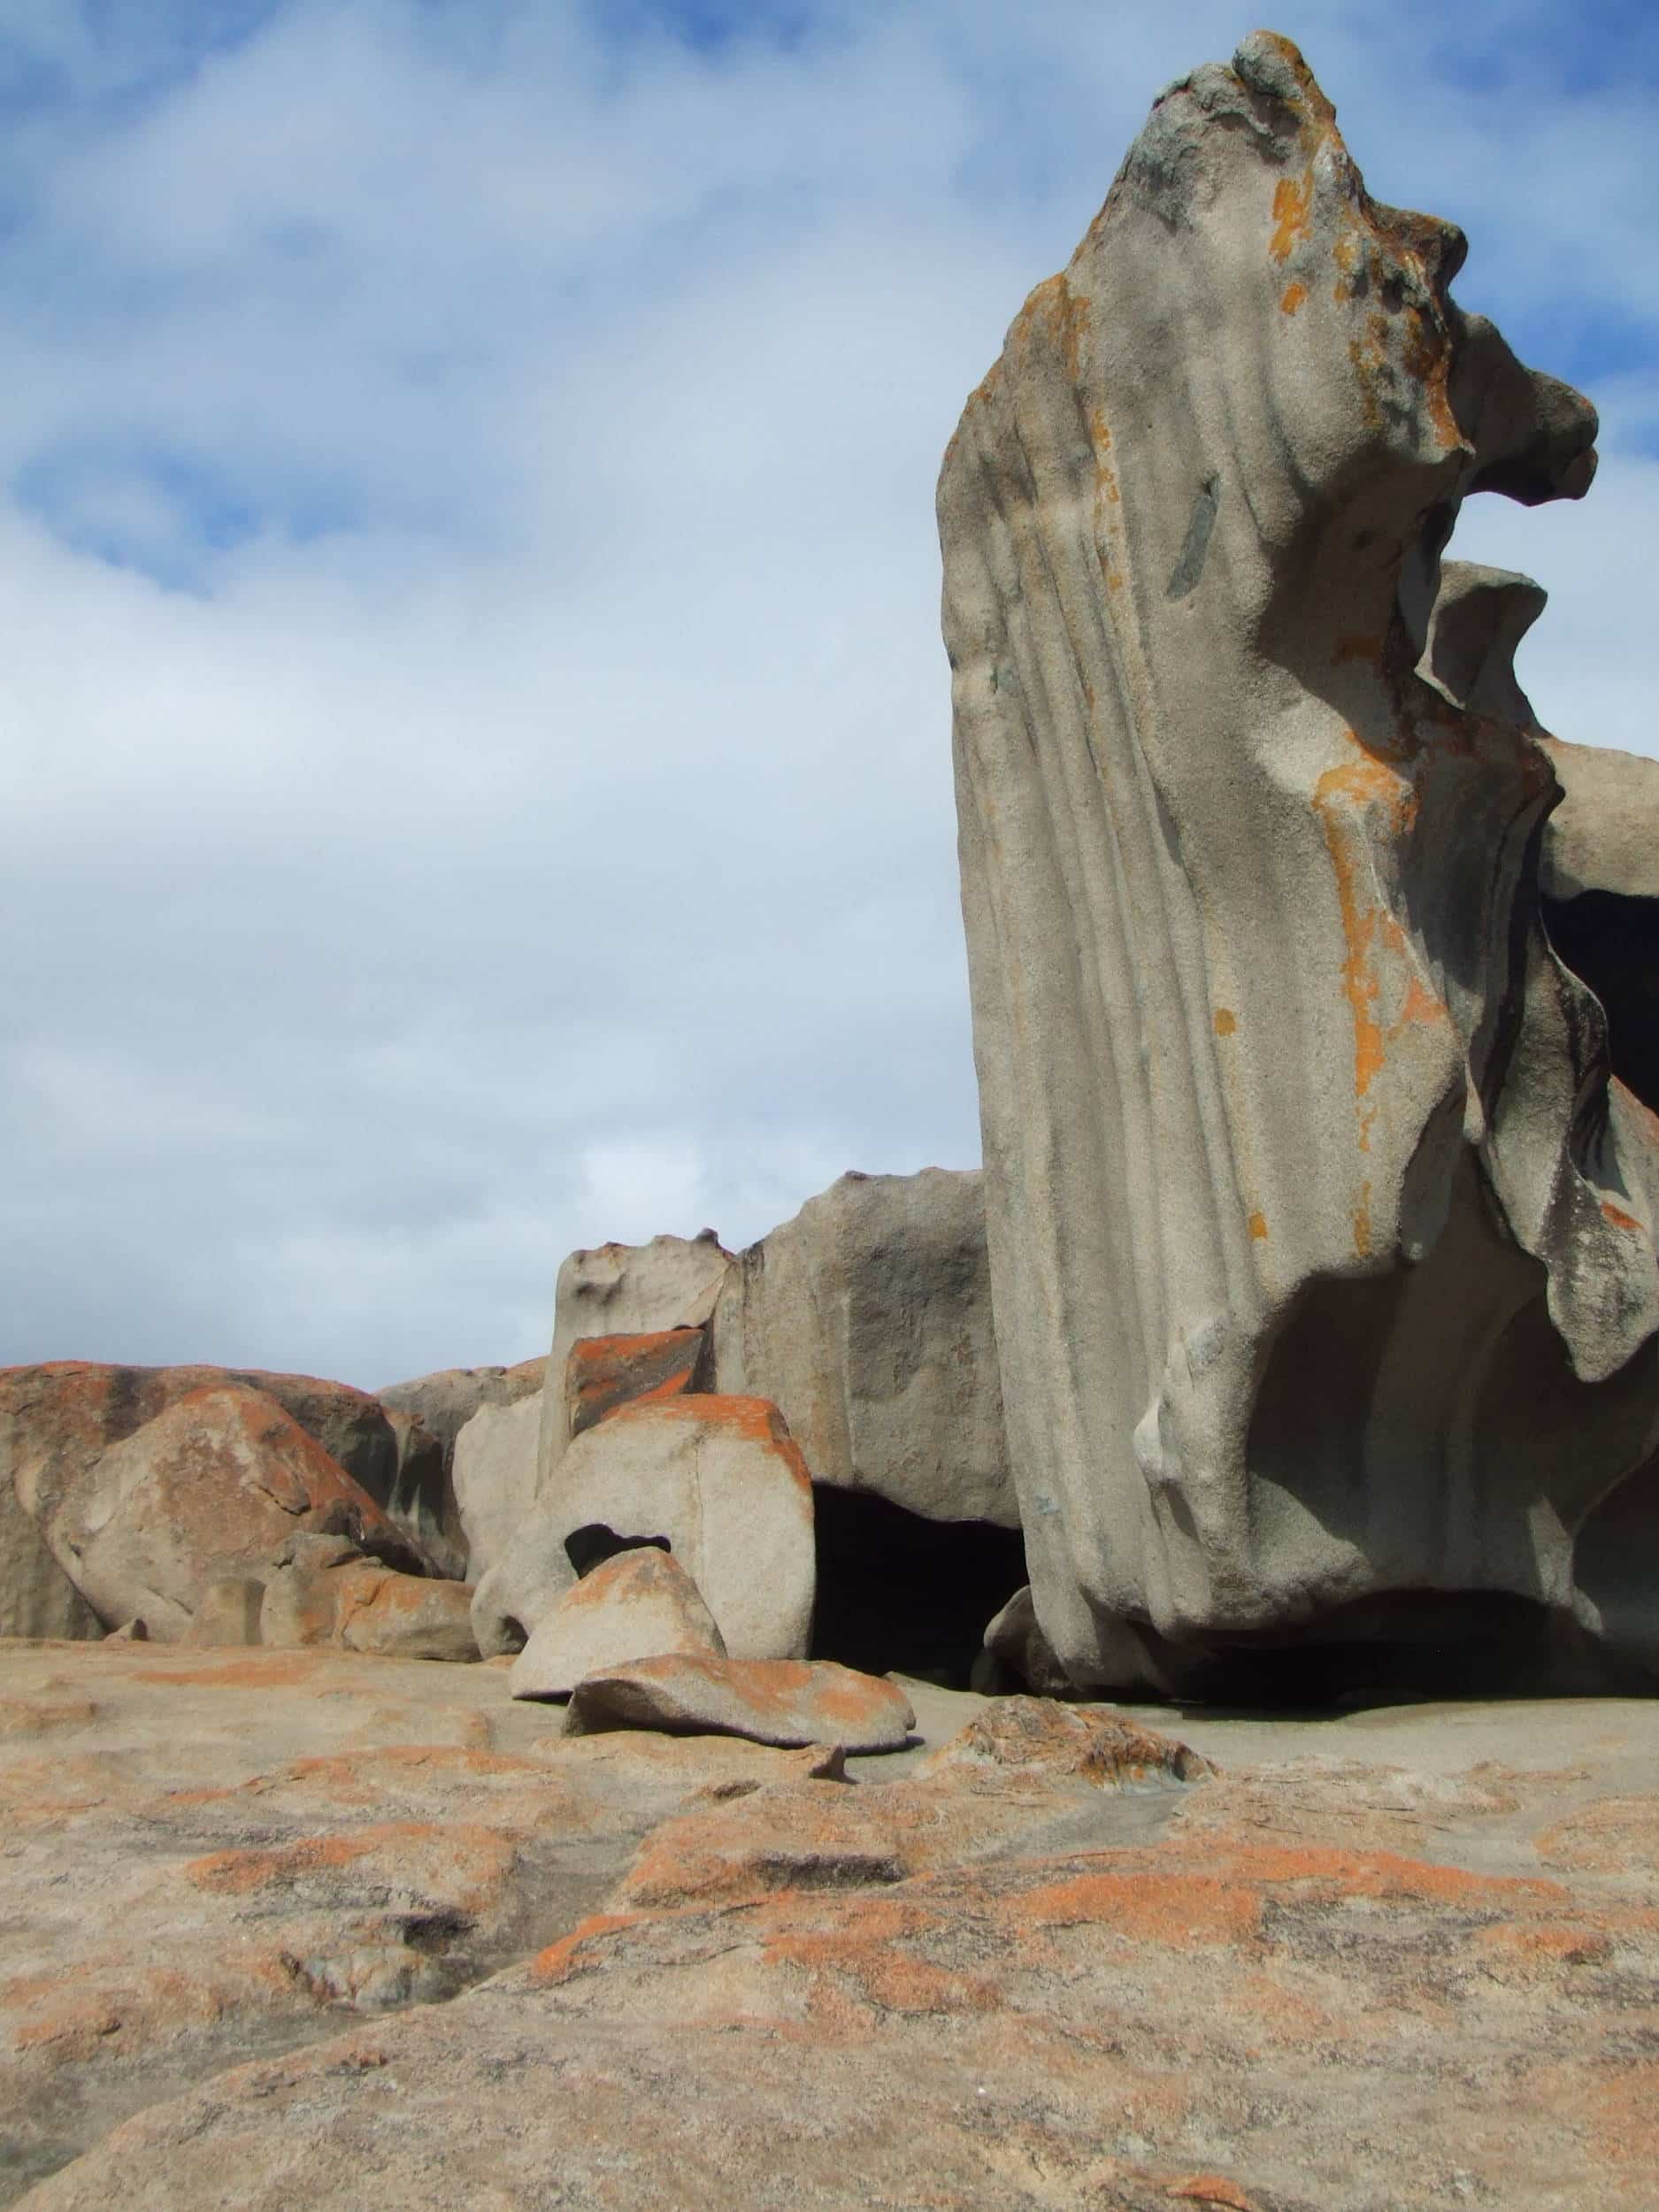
(213, 1485)
(783, 1701)
(361, 1605)
(624, 1290)
(58, 1417)
(1033, 1735)
(604, 1373)
(720, 1477)
(639, 1605)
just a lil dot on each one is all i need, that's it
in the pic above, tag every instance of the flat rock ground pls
(303, 1929)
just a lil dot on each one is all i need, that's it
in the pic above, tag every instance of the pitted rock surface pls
(1405, 1956)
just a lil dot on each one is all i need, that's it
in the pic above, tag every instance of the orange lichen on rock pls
(1292, 210)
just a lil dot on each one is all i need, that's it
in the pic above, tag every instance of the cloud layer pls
(477, 765)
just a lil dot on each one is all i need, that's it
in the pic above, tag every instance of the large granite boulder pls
(617, 1290)
(721, 1477)
(867, 1319)
(56, 1417)
(212, 1485)
(1321, 1235)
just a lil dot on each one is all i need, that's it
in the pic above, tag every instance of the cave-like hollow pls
(900, 1594)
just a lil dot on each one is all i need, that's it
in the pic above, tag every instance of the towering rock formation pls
(1321, 1238)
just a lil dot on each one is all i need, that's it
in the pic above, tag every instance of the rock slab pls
(787, 1703)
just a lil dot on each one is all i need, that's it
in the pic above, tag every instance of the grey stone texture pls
(1321, 1235)
(428, 1414)
(493, 1478)
(867, 1319)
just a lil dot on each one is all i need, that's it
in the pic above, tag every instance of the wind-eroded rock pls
(1322, 1242)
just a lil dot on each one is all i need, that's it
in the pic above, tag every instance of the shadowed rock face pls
(1321, 1238)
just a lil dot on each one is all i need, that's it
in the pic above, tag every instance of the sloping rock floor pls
(309, 1928)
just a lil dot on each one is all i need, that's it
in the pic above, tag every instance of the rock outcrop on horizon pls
(1321, 1233)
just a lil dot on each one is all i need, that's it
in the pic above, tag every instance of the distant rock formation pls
(1321, 1237)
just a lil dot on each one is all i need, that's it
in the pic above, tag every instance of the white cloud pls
(503, 800)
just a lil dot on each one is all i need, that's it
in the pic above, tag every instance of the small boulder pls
(638, 1605)
(212, 1487)
(721, 1477)
(1034, 1736)
(358, 1604)
(1018, 1657)
(787, 1702)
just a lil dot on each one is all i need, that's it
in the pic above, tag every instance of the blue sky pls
(477, 762)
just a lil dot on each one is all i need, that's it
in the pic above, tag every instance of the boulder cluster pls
(634, 1522)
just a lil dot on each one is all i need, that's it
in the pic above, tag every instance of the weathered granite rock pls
(1604, 835)
(624, 1290)
(446, 1401)
(1036, 1735)
(1321, 1242)
(422, 1496)
(213, 1485)
(493, 1478)
(358, 1604)
(227, 1613)
(636, 1605)
(1019, 1656)
(37, 1596)
(867, 1319)
(1397, 1958)
(428, 1414)
(787, 1702)
(56, 1418)
(721, 1477)
(604, 1372)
